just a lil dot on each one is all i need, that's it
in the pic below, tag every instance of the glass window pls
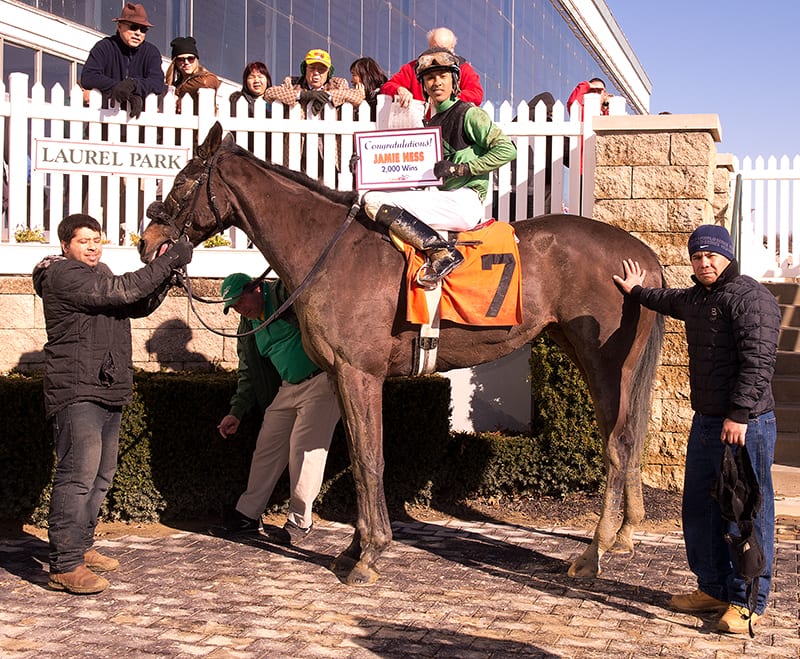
(20, 59)
(55, 70)
(220, 35)
(313, 16)
(519, 48)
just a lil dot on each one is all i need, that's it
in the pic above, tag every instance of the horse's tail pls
(643, 375)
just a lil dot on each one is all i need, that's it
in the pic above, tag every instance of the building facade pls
(519, 47)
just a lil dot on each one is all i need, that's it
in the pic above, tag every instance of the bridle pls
(205, 177)
(183, 276)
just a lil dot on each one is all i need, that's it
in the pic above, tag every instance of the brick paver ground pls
(449, 588)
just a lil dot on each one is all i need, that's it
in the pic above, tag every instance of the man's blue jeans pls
(87, 439)
(708, 553)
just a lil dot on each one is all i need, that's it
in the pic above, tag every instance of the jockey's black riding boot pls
(443, 257)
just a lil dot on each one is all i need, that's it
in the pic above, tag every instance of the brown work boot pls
(735, 620)
(696, 602)
(97, 562)
(81, 581)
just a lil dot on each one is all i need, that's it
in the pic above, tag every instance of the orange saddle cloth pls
(486, 289)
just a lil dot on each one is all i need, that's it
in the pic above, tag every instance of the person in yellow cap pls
(299, 407)
(316, 86)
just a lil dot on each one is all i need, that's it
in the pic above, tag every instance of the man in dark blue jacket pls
(88, 378)
(123, 66)
(732, 324)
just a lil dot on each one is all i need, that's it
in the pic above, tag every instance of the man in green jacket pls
(299, 404)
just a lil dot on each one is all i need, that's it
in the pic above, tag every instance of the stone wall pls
(659, 177)
(172, 338)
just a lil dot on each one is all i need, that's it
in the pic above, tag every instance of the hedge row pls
(173, 465)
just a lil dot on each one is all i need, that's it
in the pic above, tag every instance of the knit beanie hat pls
(184, 46)
(711, 238)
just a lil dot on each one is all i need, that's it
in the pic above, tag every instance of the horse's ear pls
(212, 141)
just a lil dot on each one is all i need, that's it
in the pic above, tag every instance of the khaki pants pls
(296, 431)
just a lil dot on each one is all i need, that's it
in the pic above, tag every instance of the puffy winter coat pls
(87, 315)
(732, 334)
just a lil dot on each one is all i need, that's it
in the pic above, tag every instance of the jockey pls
(473, 147)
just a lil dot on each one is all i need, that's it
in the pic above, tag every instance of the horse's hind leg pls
(633, 507)
(607, 533)
(361, 396)
(625, 409)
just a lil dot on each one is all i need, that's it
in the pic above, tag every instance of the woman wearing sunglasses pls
(186, 73)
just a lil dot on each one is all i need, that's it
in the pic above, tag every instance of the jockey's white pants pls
(442, 210)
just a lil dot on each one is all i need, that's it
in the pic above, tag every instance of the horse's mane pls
(344, 197)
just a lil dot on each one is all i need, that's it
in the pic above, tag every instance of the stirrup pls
(429, 277)
(430, 283)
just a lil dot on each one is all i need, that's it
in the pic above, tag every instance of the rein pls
(212, 202)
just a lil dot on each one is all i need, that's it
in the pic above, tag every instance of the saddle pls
(485, 290)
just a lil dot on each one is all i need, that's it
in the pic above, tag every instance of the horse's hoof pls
(342, 563)
(361, 575)
(585, 567)
(622, 546)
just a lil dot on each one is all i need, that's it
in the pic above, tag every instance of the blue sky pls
(735, 58)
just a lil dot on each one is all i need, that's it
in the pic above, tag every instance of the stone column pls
(656, 177)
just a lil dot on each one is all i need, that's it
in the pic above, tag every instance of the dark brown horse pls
(352, 326)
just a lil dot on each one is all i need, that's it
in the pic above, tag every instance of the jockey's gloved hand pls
(181, 253)
(135, 105)
(123, 90)
(317, 99)
(353, 163)
(450, 169)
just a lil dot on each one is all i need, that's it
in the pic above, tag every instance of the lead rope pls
(289, 300)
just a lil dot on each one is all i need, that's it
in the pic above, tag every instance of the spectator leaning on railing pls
(186, 73)
(124, 67)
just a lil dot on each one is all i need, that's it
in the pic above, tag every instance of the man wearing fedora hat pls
(123, 66)
(732, 324)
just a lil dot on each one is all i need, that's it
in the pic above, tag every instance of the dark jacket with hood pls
(87, 315)
(111, 61)
(732, 334)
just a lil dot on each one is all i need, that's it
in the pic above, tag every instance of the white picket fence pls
(770, 216)
(66, 158)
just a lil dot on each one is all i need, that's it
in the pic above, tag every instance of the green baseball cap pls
(232, 288)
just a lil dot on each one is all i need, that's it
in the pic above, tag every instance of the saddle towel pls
(485, 290)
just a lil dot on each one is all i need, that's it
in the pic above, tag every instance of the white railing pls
(770, 216)
(64, 157)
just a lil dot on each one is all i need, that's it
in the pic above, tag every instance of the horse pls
(354, 328)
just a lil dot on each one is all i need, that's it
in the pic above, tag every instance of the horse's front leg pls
(361, 396)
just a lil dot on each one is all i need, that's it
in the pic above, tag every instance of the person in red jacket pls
(406, 87)
(593, 86)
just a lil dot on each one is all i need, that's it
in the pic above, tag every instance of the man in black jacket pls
(732, 325)
(88, 378)
(124, 67)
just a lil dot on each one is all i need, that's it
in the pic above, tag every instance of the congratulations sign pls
(397, 158)
(105, 158)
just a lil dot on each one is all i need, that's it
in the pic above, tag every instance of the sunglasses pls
(135, 27)
(186, 59)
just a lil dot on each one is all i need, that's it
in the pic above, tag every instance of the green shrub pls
(564, 423)
(174, 465)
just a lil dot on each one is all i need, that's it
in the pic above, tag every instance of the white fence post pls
(770, 209)
(118, 194)
(17, 152)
